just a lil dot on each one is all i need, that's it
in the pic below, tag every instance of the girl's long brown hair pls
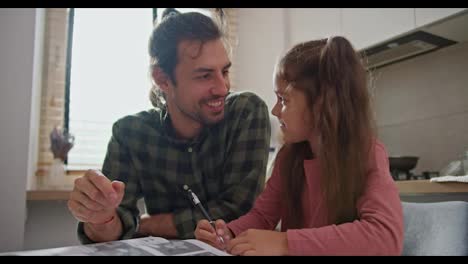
(331, 75)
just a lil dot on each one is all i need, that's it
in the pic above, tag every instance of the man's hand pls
(94, 200)
(206, 233)
(259, 242)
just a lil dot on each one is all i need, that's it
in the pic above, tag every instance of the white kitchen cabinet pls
(312, 23)
(426, 16)
(365, 27)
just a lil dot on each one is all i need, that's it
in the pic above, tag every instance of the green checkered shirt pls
(225, 165)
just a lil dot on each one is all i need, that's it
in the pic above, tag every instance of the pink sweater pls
(378, 231)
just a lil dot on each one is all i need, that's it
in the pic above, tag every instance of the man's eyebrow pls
(203, 69)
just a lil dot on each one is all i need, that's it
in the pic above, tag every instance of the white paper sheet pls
(146, 246)
(449, 178)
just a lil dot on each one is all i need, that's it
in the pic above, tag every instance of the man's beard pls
(198, 116)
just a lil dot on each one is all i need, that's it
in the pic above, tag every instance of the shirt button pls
(189, 150)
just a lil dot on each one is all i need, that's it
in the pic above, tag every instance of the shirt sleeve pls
(265, 214)
(378, 231)
(118, 166)
(244, 169)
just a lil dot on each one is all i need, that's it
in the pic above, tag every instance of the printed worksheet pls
(146, 246)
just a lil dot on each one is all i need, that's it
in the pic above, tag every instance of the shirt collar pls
(168, 130)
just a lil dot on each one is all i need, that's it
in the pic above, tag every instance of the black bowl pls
(403, 163)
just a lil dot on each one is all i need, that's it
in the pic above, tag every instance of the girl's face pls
(293, 113)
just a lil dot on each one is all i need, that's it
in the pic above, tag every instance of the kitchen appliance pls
(401, 166)
(417, 42)
(405, 47)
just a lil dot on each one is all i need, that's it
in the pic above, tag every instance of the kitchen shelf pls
(427, 187)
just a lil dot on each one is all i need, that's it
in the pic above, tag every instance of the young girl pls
(331, 186)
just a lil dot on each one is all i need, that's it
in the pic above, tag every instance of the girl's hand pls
(206, 233)
(259, 242)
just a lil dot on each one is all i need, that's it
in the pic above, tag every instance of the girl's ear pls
(161, 79)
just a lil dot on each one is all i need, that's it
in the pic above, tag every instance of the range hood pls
(403, 48)
(417, 42)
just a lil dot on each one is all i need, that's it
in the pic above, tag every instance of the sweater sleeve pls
(265, 213)
(378, 230)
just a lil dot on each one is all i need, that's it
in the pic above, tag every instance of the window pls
(109, 77)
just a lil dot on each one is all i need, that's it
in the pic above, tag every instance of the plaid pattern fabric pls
(225, 165)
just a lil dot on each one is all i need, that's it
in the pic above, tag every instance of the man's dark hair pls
(166, 36)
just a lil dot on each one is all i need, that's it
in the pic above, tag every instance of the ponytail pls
(344, 127)
(337, 58)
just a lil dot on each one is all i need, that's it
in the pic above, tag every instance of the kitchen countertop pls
(427, 187)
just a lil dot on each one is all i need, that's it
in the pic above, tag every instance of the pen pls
(205, 213)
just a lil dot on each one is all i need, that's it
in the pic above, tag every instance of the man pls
(199, 134)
